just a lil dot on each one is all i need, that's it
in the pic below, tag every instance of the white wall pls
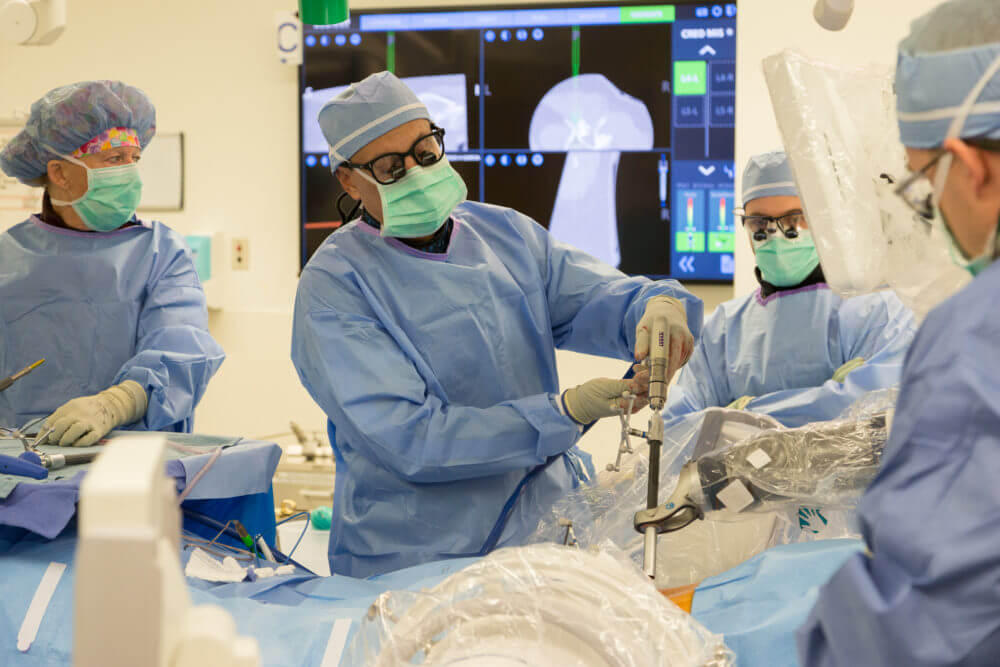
(210, 69)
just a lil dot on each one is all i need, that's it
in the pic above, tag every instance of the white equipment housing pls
(32, 22)
(839, 128)
(131, 601)
(833, 14)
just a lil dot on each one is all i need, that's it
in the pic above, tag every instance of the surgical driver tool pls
(11, 379)
(658, 353)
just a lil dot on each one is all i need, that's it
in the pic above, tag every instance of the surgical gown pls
(102, 308)
(783, 350)
(438, 374)
(929, 593)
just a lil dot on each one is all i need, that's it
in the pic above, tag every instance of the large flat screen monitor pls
(611, 125)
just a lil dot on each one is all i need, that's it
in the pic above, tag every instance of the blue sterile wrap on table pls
(237, 486)
(759, 604)
(290, 616)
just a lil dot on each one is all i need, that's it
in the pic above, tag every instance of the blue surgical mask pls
(786, 262)
(420, 203)
(112, 196)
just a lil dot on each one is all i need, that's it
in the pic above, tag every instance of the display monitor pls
(610, 125)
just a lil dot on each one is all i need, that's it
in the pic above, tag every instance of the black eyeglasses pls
(390, 167)
(918, 192)
(761, 226)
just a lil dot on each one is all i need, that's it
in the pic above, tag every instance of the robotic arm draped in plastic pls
(829, 463)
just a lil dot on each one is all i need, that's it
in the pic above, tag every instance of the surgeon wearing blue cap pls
(426, 329)
(792, 349)
(111, 302)
(927, 591)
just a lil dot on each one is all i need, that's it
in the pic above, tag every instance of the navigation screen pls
(611, 125)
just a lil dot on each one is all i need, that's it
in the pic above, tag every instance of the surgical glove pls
(841, 373)
(740, 403)
(602, 397)
(680, 343)
(83, 421)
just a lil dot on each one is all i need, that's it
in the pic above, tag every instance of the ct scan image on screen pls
(610, 125)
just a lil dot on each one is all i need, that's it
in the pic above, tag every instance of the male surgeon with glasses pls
(426, 330)
(793, 348)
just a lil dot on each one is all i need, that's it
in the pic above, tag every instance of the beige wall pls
(211, 70)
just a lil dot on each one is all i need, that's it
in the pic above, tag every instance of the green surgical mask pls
(112, 196)
(785, 262)
(421, 202)
(974, 265)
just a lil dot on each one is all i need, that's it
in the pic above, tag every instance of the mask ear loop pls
(954, 130)
(81, 163)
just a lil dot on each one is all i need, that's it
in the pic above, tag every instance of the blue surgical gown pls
(438, 374)
(929, 591)
(102, 308)
(783, 350)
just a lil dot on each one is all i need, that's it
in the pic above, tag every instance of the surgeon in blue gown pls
(927, 592)
(426, 330)
(792, 349)
(111, 302)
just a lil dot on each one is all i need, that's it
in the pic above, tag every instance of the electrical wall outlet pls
(241, 254)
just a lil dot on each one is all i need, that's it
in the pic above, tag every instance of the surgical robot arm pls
(828, 462)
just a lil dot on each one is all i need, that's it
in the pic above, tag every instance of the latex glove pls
(740, 403)
(83, 421)
(603, 397)
(841, 373)
(680, 344)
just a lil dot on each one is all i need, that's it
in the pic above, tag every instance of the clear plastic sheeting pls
(828, 464)
(840, 132)
(604, 511)
(536, 605)
(807, 481)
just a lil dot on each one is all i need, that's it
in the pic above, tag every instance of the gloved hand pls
(841, 373)
(740, 403)
(680, 344)
(83, 421)
(602, 397)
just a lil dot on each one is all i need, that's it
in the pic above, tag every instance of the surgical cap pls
(945, 55)
(365, 111)
(66, 118)
(768, 175)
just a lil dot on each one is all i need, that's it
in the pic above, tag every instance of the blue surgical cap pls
(66, 118)
(365, 111)
(947, 54)
(768, 175)
(930, 91)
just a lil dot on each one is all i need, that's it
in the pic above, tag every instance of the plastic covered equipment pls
(807, 485)
(825, 463)
(839, 129)
(536, 605)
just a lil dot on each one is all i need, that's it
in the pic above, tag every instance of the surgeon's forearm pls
(436, 443)
(175, 379)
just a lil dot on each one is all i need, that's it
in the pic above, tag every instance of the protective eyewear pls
(391, 167)
(918, 192)
(761, 226)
